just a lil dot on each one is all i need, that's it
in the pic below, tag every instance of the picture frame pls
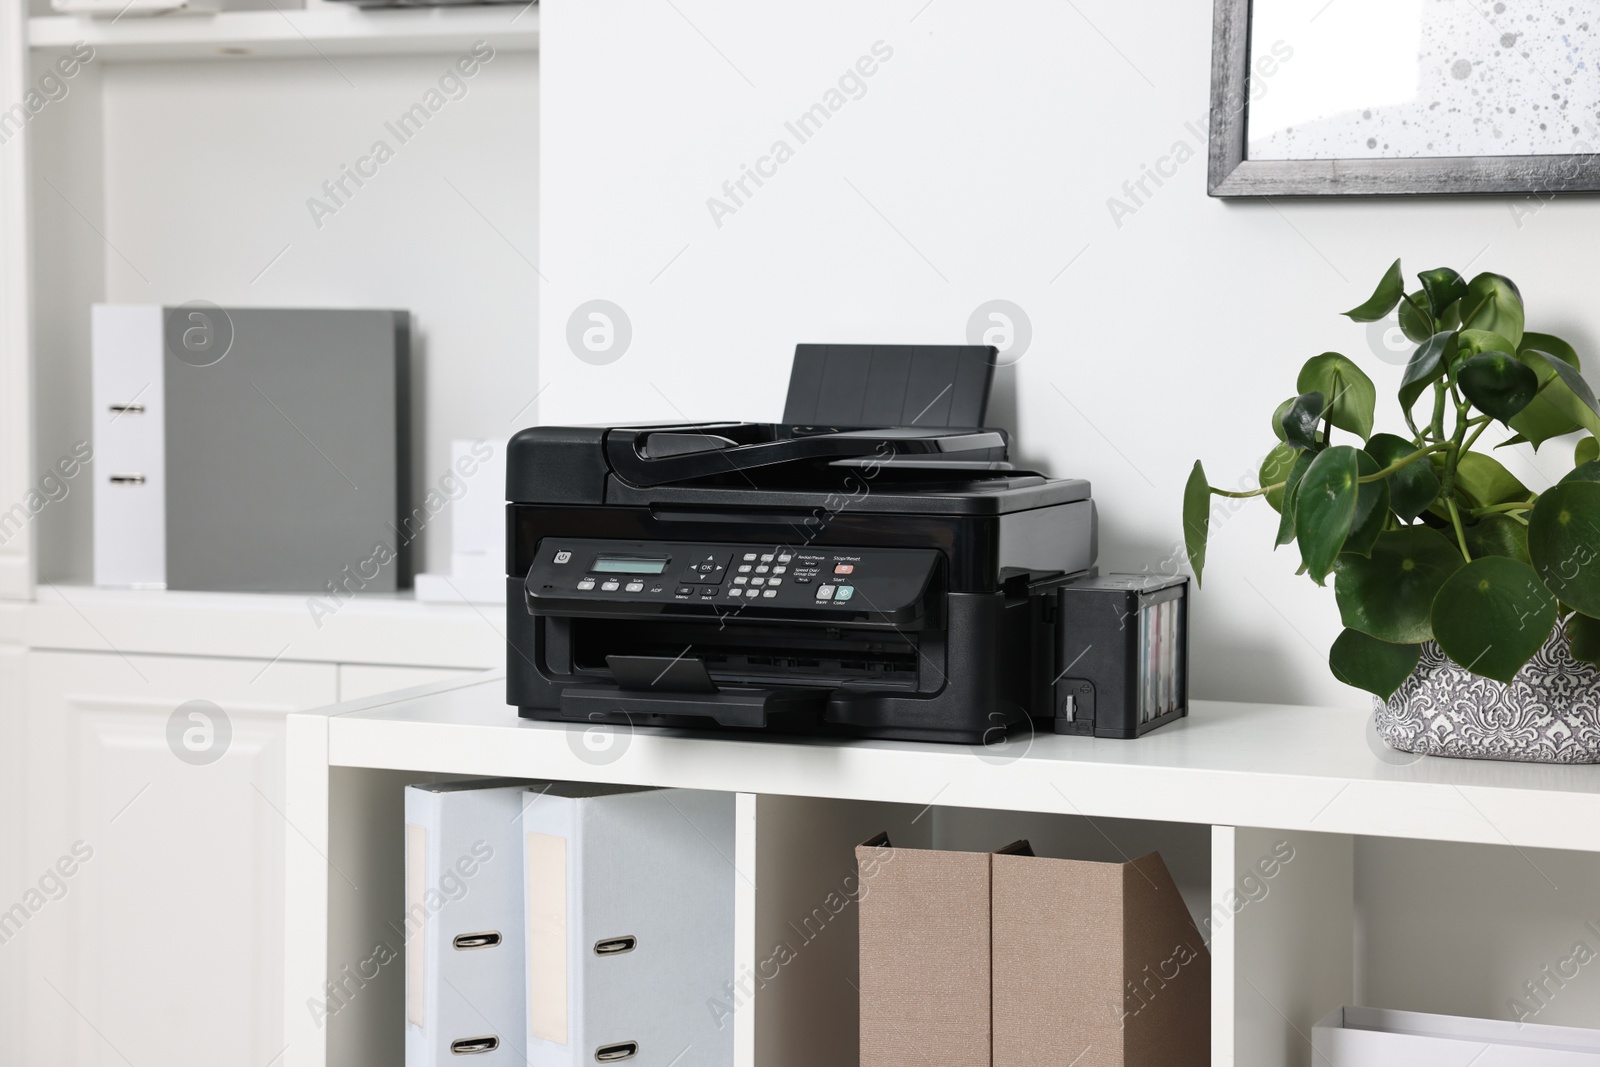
(1237, 78)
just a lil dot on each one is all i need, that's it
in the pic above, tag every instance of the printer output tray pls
(740, 707)
(680, 688)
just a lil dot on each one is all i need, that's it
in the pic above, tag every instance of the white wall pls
(978, 165)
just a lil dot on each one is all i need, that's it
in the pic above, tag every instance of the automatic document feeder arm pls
(665, 455)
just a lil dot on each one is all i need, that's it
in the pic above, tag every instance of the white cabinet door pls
(151, 901)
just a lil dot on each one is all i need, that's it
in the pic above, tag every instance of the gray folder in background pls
(285, 448)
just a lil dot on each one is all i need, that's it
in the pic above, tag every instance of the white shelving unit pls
(328, 30)
(177, 164)
(1215, 794)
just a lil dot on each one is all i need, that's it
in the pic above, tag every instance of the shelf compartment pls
(1473, 931)
(800, 944)
(1283, 906)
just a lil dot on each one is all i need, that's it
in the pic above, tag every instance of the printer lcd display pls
(605, 565)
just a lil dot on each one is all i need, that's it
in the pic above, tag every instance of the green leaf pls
(1493, 303)
(1497, 383)
(1196, 518)
(1471, 342)
(1415, 322)
(1483, 481)
(1277, 418)
(1324, 507)
(1389, 595)
(1555, 346)
(1448, 319)
(1587, 450)
(1571, 395)
(1383, 298)
(1584, 472)
(1290, 488)
(1299, 423)
(1497, 535)
(1444, 287)
(1372, 508)
(1426, 367)
(1564, 542)
(1492, 615)
(1370, 664)
(1274, 469)
(1544, 418)
(1411, 488)
(1583, 633)
(1349, 393)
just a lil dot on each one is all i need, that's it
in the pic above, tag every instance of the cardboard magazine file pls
(925, 974)
(1004, 959)
(1096, 965)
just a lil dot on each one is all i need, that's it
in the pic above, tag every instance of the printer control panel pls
(570, 572)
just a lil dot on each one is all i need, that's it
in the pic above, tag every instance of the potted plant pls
(1471, 604)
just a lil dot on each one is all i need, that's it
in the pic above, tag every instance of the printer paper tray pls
(741, 706)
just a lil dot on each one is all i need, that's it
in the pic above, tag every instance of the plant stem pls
(1482, 426)
(1452, 460)
(1425, 316)
(1403, 461)
(1461, 535)
(1437, 422)
(1501, 509)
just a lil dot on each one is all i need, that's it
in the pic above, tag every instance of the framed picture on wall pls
(1384, 97)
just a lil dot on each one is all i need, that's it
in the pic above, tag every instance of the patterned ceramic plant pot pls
(1550, 713)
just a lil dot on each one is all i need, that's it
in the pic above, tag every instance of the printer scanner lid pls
(929, 446)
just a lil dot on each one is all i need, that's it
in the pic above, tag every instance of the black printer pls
(872, 565)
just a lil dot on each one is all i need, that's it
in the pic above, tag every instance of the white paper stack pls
(477, 528)
(1378, 1037)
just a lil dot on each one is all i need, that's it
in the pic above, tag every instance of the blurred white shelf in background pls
(385, 629)
(325, 31)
